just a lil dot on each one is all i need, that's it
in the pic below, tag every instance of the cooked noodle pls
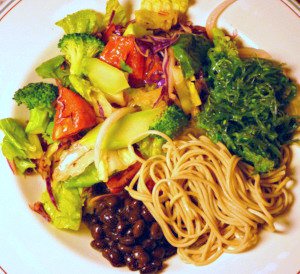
(206, 200)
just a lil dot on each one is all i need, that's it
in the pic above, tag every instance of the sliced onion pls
(113, 118)
(211, 21)
(252, 52)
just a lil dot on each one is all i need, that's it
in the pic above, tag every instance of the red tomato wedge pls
(121, 179)
(73, 114)
(123, 49)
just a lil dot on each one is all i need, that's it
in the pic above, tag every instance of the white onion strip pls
(211, 21)
(252, 52)
(99, 150)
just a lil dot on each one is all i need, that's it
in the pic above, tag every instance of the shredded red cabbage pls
(50, 192)
(38, 207)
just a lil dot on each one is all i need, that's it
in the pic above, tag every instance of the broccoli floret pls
(171, 122)
(77, 46)
(38, 97)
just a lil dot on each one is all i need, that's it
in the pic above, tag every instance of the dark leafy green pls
(191, 52)
(246, 106)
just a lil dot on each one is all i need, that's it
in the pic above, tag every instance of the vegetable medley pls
(116, 79)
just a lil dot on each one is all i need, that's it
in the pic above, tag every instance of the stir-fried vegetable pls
(77, 46)
(18, 147)
(39, 98)
(73, 114)
(53, 68)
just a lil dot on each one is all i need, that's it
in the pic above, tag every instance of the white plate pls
(29, 245)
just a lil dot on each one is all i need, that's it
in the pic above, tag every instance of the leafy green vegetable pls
(163, 5)
(137, 30)
(53, 69)
(47, 135)
(107, 78)
(160, 14)
(171, 122)
(19, 147)
(83, 21)
(38, 97)
(77, 46)
(125, 67)
(120, 17)
(125, 130)
(69, 212)
(93, 95)
(117, 160)
(88, 178)
(246, 106)
(191, 52)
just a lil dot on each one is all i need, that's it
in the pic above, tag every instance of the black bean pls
(140, 255)
(157, 264)
(138, 228)
(146, 214)
(97, 231)
(121, 227)
(156, 232)
(131, 262)
(133, 216)
(108, 217)
(115, 236)
(136, 204)
(158, 253)
(114, 256)
(129, 232)
(170, 251)
(148, 269)
(98, 244)
(100, 206)
(149, 244)
(127, 240)
(124, 248)
(112, 201)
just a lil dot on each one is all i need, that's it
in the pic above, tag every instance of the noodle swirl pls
(206, 200)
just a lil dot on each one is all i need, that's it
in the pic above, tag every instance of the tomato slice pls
(123, 49)
(73, 114)
(117, 182)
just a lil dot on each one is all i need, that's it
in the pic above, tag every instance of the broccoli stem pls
(38, 121)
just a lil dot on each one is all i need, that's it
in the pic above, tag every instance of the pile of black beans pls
(126, 233)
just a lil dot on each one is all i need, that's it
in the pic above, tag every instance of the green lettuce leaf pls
(83, 21)
(191, 52)
(19, 147)
(69, 212)
(88, 178)
(120, 16)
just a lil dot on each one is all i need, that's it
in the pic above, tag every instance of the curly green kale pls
(246, 106)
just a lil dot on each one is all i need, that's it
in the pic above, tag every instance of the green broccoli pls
(77, 46)
(171, 122)
(38, 97)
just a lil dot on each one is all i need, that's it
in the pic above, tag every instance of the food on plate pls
(159, 135)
